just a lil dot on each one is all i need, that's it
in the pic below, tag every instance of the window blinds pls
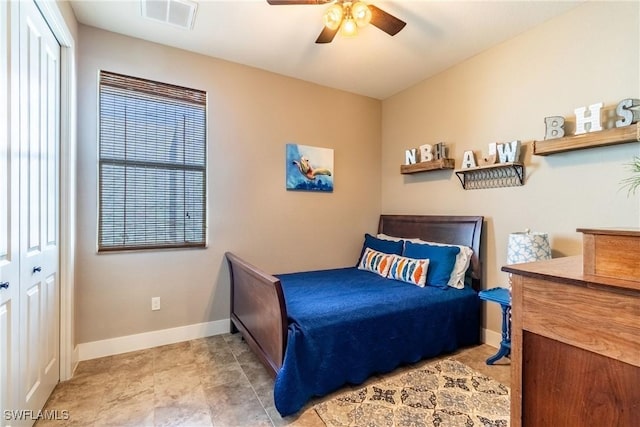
(152, 165)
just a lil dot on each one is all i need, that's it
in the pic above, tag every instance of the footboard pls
(258, 311)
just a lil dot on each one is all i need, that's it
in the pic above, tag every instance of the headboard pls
(455, 230)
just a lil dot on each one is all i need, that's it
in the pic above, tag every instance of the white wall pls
(588, 55)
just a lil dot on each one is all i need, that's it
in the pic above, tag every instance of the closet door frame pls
(60, 29)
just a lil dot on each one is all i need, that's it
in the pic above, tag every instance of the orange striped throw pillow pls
(409, 270)
(377, 262)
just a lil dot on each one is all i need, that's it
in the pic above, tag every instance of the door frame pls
(67, 203)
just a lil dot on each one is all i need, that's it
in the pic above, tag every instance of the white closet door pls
(9, 227)
(39, 188)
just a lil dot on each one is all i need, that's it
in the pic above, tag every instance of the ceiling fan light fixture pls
(333, 16)
(349, 27)
(347, 16)
(361, 13)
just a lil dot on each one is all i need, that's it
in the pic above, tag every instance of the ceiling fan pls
(346, 16)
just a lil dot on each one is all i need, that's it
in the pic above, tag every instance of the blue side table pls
(502, 297)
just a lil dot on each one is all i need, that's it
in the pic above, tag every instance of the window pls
(152, 165)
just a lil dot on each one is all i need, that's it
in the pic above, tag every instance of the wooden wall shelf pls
(492, 176)
(427, 166)
(602, 138)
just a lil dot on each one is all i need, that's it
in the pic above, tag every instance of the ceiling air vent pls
(179, 13)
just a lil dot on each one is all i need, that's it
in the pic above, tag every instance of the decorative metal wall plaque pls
(493, 176)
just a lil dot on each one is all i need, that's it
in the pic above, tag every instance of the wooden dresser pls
(575, 337)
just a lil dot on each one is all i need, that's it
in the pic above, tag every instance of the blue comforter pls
(347, 324)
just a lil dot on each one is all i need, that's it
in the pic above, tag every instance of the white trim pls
(67, 213)
(111, 346)
(75, 358)
(55, 20)
(491, 338)
(127, 343)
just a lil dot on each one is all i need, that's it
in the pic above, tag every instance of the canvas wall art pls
(309, 168)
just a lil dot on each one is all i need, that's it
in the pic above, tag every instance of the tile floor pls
(213, 381)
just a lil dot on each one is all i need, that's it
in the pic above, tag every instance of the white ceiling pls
(281, 39)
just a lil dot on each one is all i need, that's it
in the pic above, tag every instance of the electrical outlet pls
(155, 303)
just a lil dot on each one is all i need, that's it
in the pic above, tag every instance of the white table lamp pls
(528, 246)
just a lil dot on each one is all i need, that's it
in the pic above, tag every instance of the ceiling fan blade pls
(327, 35)
(386, 22)
(288, 2)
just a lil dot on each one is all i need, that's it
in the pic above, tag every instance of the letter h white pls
(593, 119)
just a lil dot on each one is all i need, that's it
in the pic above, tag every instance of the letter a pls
(468, 160)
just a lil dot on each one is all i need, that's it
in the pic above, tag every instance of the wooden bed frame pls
(258, 309)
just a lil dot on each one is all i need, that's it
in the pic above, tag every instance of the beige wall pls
(588, 55)
(252, 114)
(69, 17)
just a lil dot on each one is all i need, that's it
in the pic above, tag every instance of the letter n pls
(410, 157)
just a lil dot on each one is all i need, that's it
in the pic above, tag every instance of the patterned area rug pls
(443, 393)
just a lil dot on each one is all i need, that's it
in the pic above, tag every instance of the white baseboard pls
(491, 338)
(125, 344)
(76, 359)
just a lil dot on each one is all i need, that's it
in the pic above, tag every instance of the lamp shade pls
(528, 247)
(333, 16)
(361, 13)
(349, 27)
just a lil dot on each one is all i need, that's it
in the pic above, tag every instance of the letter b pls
(554, 127)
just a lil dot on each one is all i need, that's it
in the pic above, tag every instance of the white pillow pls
(463, 259)
(392, 238)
